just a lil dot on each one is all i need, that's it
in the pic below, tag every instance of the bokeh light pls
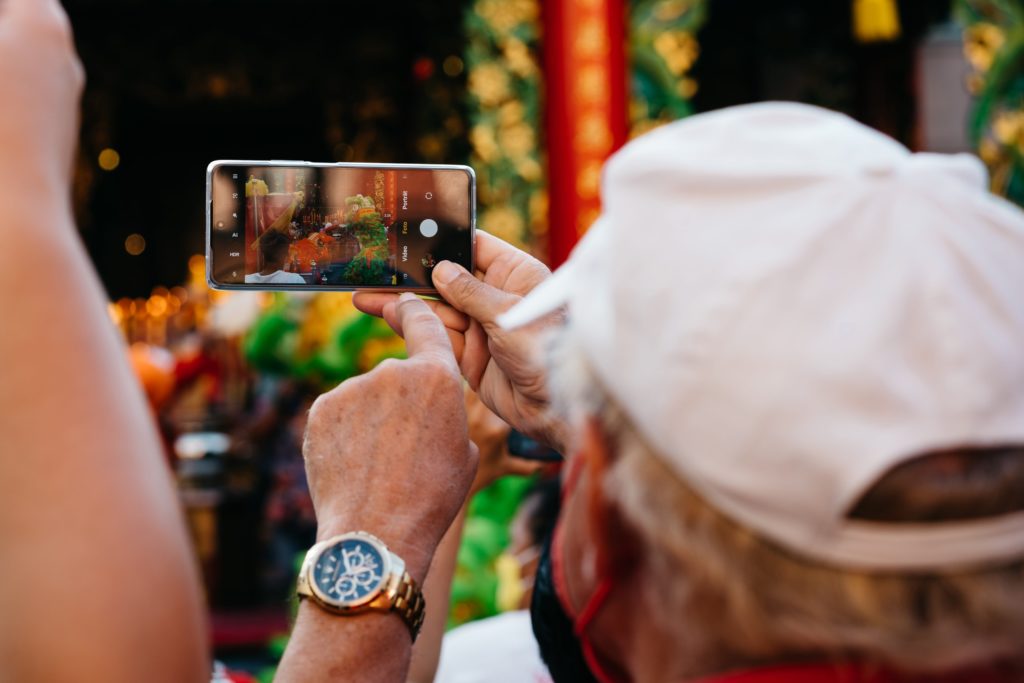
(135, 244)
(109, 159)
(156, 306)
(452, 66)
(197, 266)
(179, 293)
(423, 68)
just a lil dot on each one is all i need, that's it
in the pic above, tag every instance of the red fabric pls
(203, 364)
(833, 673)
(248, 628)
(570, 49)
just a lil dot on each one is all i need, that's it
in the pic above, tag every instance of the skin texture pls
(505, 367)
(96, 574)
(97, 578)
(386, 452)
(596, 543)
(90, 523)
(488, 432)
(507, 370)
(437, 591)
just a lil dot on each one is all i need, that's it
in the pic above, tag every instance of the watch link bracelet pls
(355, 573)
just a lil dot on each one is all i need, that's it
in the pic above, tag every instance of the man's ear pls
(618, 542)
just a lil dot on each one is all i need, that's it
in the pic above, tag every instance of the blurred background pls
(534, 96)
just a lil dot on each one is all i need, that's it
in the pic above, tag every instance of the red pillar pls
(585, 84)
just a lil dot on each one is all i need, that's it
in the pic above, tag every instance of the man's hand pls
(40, 70)
(490, 434)
(387, 452)
(506, 368)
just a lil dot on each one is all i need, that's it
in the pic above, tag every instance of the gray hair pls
(725, 596)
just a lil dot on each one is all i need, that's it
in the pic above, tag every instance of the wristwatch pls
(355, 573)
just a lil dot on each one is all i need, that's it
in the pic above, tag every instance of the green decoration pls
(505, 115)
(505, 118)
(504, 98)
(994, 46)
(324, 339)
(484, 537)
(663, 48)
(370, 264)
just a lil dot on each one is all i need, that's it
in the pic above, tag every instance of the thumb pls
(473, 297)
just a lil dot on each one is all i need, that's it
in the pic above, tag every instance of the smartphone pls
(523, 446)
(298, 225)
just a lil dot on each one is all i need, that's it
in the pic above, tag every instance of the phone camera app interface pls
(347, 227)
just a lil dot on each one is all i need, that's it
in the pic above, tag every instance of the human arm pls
(97, 580)
(505, 367)
(489, 433)
(386, 452)
(437, 591)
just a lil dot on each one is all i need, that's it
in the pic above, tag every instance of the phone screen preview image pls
(339, 226)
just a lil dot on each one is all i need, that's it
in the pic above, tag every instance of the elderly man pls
(791, 391)
(790, 388)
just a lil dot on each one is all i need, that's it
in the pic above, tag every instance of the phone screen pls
(336, 226)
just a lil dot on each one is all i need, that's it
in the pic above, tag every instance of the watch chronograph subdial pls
(344, 588)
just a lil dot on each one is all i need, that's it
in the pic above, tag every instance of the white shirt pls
(278, 277)
(499, 649)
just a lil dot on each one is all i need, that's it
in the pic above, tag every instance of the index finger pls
(424, 333)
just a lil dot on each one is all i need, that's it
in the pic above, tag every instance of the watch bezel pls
(363, 602)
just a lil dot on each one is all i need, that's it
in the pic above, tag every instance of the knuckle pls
(388, 368)
(434, 365)
(536, 273)
(437, 373)
(431, 368)
(463, 286)
(321, 405)
(326, 407)
(387, 374)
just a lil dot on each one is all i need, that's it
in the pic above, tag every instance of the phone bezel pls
(219, 286)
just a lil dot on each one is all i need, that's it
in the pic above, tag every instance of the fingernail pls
(445, 272)
(407, 296)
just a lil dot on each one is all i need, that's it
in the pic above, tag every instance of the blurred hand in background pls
(40, 69)
(490, 433)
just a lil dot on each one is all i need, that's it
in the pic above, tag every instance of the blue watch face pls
(349, 571)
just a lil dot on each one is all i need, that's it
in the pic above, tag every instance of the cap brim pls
(545, 298)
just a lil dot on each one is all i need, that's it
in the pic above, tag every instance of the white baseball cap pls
(788, 304)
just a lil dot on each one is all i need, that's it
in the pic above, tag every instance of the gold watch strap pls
(401, 594)
(409, 604)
